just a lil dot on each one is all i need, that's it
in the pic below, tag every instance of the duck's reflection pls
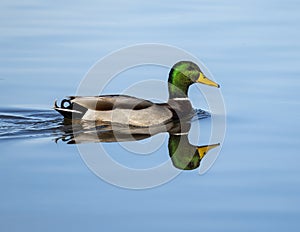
(184, 155)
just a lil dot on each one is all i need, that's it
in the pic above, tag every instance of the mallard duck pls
(128, 110)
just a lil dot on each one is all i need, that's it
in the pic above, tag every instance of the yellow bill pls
(204, 149)
(204, 80)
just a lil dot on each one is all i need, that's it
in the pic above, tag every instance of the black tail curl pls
(70, 110)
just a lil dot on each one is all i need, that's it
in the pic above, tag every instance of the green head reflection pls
(184, 155)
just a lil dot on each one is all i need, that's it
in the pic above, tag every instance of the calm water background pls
(253, 50)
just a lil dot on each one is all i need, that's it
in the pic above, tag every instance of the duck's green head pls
(182, 75)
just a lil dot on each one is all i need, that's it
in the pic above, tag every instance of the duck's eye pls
(190, 165)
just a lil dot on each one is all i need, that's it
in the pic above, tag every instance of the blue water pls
(252, 49)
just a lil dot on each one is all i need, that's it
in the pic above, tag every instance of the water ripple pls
(26, 123)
